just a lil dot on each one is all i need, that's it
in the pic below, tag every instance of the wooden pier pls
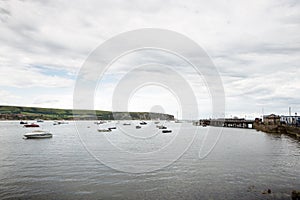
(227, 122)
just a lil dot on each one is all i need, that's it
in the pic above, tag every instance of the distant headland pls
(32, 113)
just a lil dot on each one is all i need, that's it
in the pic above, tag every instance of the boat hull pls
(38, 137)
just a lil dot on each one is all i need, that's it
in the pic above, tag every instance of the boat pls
(104, 130)
(38, 134)
(161, 127)
(22, 122)
(126, 124)
(138, 127)
(60, 122)
(39, 120)
(31, 125)
(167, 131)
(100, 122)
(143, 123)
(112, 128)
(156, 122)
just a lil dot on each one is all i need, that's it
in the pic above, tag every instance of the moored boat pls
(38, 134)
(167, 131)
(104, 130)
(138, 127)
(32, 125)
(143, 123)
(161, 127)
(22, 122)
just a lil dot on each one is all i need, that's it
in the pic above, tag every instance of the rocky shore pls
(278, 129)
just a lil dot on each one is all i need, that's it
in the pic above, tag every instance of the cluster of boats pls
(139, 126)
(164, 129)
(40, 134)
(35, 134)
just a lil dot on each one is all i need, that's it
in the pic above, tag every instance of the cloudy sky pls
(255, 46)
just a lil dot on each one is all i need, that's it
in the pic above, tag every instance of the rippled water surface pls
(242, 165)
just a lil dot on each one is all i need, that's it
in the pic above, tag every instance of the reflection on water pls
(241, 166)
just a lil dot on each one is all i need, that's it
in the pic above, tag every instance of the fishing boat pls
(38, 134)
(167, 131)
(32, 125)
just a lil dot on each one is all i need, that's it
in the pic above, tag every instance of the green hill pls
(31, 113)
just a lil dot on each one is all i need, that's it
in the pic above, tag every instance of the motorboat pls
(39, 120)
(113, 127)
(38, 134)
(32, 125)
(167, 131)
(22, 122)
(143, 123)
(161, 127)
(138, 127)
(126, 124)
(104, 130)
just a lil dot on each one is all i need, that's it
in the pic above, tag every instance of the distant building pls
(290, 120)
(271, 119)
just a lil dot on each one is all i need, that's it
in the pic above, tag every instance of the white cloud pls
(254, 44)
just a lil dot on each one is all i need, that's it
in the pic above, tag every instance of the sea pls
(191, 162)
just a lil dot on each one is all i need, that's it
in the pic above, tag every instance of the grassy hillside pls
(31, 113)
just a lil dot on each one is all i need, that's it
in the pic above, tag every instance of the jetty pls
(226, 122)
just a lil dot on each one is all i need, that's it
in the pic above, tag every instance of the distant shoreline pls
(33, 113)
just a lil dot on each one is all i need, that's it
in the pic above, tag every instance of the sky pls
(255, 46)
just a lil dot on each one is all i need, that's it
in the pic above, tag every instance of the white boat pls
(161, 127)
(38, 134)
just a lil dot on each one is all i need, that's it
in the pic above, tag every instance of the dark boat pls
(143, 123)
(110, 128)
(31, 125)
(21, 122)
(138, 127)
(167, 131)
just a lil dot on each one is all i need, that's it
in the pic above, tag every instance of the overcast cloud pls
(255, 46)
